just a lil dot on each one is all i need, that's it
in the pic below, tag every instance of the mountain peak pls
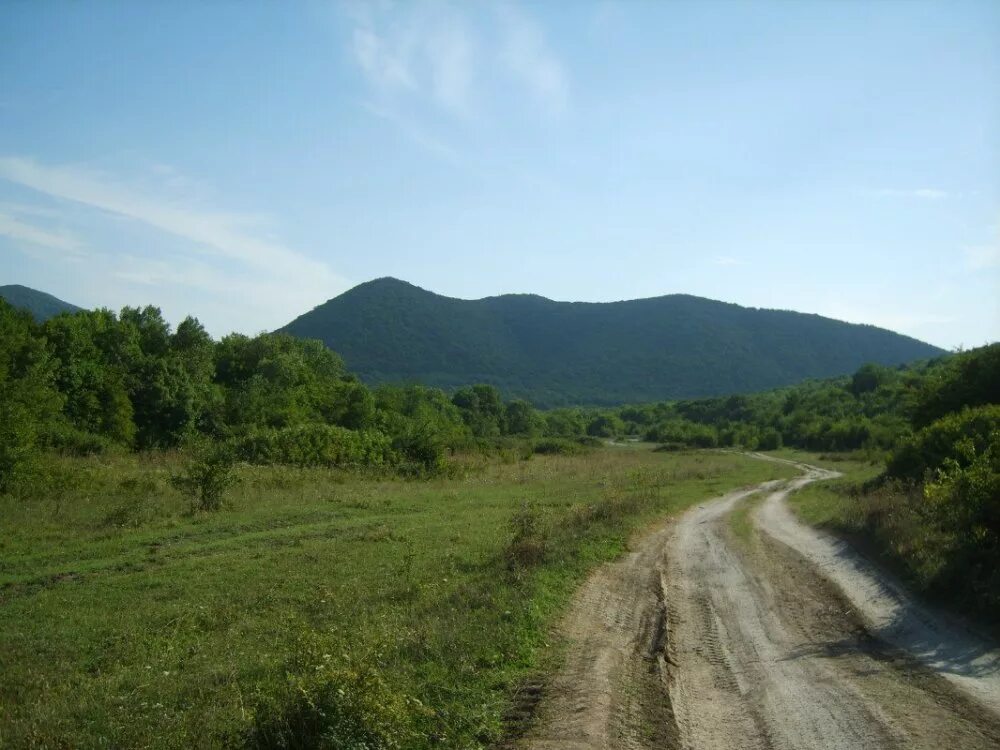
(556, 353)
(40, 304)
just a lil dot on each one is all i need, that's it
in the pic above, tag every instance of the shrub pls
(528, 542)
(421, 449)
(71, 441)
(316, 445)
(18, 449)
(332, 703)
(207, 477)
(959, 437)
(557, 446)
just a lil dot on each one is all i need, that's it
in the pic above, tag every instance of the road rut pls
(701, 641)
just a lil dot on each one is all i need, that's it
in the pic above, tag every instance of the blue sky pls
(243, 162)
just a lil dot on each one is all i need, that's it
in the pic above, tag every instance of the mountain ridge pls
(41, 305)
(601, 353)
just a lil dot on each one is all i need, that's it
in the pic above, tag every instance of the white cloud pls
(255, 281)
(423, 49)
(384, 65)
(450, 53)
(220, 234)
(526, 53)
(21, 231)
(727, 260)
(444, 54)
(416, 134)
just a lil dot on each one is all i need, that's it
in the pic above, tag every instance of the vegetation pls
(874, 412)
(323, 608)
(337, 602)
(42, 306)
(932, 509)
(93, 382)
(562, 353)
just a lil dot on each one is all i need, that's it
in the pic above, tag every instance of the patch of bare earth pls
(699, 640)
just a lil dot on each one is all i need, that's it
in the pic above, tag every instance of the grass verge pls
(318, 608)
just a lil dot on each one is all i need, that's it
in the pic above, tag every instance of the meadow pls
(318, 607)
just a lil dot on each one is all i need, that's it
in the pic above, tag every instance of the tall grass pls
(318, 607)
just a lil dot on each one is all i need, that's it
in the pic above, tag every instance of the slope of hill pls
(554, 353)
(41, 305)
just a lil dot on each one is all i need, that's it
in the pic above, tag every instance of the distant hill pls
(41, 305)
(556, 353)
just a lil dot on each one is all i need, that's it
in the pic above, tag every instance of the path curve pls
(701, 641)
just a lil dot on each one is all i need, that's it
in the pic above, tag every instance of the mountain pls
(41, 305)
(556, 353)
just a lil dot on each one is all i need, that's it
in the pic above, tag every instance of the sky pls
(243, 162)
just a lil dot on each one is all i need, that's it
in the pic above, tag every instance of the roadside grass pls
(741, 519)
(315, 602)
(847, 463)
(889, 523)
(832, 503)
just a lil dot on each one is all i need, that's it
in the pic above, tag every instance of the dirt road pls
(786, 640)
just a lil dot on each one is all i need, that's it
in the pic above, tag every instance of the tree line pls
(95, 381)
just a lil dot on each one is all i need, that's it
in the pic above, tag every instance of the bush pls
(958, 437)
(421, 450)
(71, 441)
(18, 449)
(332, 702)
(557, 447)
(316, 445)
(965, 503)
(528, 542)
(684, 432)
(207, 477)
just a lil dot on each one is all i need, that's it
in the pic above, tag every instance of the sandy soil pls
(939, 642)
(699, 640)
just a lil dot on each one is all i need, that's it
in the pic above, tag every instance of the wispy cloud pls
(426, 50)
(415, 133)
(527, 55)
(727, 260)
(222, 234)
(454, 57)
(261, 282)
(22, 231)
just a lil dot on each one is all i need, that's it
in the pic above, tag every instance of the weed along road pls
(778, 637)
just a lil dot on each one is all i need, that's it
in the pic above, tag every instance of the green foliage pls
(971, 379)
(422, 449)
(405, 585)
(39, 305)
(28, 398)
(331, 701)
(875, 410)
(562, 353)
(954, 440)
(683, 432)
(557, 447)
(316, 445)
(528, 538)
(605, 425)
(93, 382)
(934, 513)
(208, 476)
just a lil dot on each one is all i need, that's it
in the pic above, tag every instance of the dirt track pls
(786, 640)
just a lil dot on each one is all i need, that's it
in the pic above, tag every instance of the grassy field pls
(831, 503)
(318, 607)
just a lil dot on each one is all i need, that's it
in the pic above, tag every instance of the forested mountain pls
(557, 353)
(42, 306)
